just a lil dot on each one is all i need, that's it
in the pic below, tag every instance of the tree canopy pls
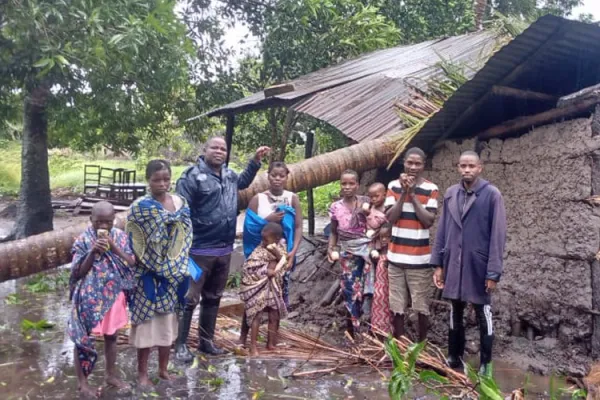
(94, 72)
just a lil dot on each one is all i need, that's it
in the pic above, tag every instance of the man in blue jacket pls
(211, 190)
(468, 253)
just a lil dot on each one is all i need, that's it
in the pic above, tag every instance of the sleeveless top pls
(267, 204)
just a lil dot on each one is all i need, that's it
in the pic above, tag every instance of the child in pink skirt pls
(100, 272)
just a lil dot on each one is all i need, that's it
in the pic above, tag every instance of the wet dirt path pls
(39, 365)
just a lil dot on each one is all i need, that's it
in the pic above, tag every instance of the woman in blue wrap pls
(274, 205)
(160, 230)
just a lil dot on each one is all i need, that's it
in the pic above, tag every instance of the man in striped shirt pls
(413, 203)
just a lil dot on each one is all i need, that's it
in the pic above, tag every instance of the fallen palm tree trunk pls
(49, 250)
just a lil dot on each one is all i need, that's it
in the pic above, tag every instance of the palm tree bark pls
(34, 213)
(52, 249)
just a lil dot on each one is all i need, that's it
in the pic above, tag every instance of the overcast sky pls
(589, 6)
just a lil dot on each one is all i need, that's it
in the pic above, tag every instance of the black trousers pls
(456, 334)
(211, 285)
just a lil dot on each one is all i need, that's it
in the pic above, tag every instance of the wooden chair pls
(108, 176)
(91, 178)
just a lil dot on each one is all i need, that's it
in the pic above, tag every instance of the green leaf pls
(61, 60)
(116, 39)
(413, 353)
(43, 62)
(426, 376)
(490, 392)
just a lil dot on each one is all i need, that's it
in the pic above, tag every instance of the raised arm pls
(425, 214)
(393, 214)
(248, 175)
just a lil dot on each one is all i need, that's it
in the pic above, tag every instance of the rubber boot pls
(398, 323)
(182, 353)
(456, 347)
(423, 327)
(486, 343)
(208, 321)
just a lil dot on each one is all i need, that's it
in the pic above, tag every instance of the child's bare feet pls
(145, 383)
(117, 383)
(253, 350)
(164, 375)
(89, 392)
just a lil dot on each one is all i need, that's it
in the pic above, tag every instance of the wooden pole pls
(522, 94)
(229, 134)
(308, 152)
(517, 124)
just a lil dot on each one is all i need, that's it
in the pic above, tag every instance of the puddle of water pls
(42, 366)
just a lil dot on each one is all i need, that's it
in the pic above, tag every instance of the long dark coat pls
(470, 241)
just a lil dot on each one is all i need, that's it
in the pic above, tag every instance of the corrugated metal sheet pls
(554, 55)
(357, 96)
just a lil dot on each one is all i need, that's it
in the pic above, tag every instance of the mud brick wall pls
(553, 235)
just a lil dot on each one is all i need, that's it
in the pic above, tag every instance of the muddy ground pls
(41, 366)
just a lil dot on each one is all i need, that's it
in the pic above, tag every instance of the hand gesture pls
(438, 278)
(101, 246)
(490, 285)
(261, 152)
(365, 208)
(275, 217)
(272, 248)
(291, 256)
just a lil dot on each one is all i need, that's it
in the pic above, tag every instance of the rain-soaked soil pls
(39, 365)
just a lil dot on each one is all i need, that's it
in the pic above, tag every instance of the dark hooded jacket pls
(213, 201)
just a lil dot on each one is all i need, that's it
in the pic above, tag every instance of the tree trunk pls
(34, 213)
(49, 250)
(288, 126)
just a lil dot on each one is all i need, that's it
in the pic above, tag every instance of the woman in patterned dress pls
(160, 230)
(348, 232)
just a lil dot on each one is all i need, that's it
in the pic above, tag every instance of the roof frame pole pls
(308, 153)
(509, 78)
(230, 127)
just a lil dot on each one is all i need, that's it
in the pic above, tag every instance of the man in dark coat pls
(211, 190)
(468, 255)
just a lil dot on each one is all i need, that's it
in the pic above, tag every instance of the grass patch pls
(323, 197)
(66, 168)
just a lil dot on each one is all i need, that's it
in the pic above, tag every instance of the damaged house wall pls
(553, 234)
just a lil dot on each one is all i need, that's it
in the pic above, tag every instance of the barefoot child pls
(375, 219)
(100, 271)
(261, 288)
(160, 229)
(381, 317)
